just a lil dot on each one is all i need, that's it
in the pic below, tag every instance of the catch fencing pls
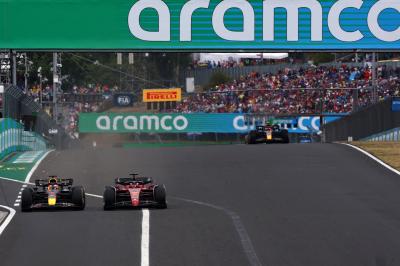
(13, 138)
(21, 107)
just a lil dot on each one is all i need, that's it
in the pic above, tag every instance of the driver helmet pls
(53, 183)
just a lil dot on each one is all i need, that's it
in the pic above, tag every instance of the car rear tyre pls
(285, 136)
(251, 138)
(109, 198)
(27, 199)
(78, 197)
(160, 196)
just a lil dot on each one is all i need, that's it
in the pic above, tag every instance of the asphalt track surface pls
(300, 205)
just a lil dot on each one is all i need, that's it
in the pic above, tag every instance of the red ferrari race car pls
(134, 191)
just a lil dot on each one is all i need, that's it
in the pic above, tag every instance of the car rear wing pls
(60, 181)
(128, 180)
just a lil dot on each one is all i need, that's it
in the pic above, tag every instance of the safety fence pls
(13, 138)
(21, 107)
(389, 135)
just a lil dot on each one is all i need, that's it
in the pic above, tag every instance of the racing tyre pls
(160, 196)
(109, 198)
(285, 136)
(27, 199)
(78, 197)
(250, 138)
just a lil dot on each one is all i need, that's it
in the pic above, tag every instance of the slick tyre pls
(251, 138)
(160, 196)
(78, 197)
(27, 199)
(109, 197)
(285, 136)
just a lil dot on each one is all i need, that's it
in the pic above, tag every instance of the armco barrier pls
(363, 123)
(13, 138)
(389, 135)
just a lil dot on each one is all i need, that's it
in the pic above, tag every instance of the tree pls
(218, 78)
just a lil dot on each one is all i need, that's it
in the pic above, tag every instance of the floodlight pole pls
(26, 73)
(57, 78)
(14, 67)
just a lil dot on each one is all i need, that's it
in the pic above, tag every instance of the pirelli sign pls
(162, 95)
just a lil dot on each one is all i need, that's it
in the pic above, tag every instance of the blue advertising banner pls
(396, 104)
(304, 124)
(186, 123)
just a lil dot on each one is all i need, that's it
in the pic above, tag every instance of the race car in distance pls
(134, 191)
(51, 193)
(267, 134)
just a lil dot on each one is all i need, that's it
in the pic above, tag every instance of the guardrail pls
(13, 138)
(389, 135)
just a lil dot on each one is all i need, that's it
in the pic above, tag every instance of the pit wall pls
(13, 138)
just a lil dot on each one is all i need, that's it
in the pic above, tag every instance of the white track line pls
(94, 195)
(28, 177)
(145, 238)
(245, 240)
(18, 200)
(8, 219)
(17, 181)
(373, 158)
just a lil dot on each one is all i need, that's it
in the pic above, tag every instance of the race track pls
(297, 204)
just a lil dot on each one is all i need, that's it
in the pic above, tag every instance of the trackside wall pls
(363, 123)
(13, 138)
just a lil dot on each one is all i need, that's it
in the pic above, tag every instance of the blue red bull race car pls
(134, 191)
(53, 193)
(267, 134)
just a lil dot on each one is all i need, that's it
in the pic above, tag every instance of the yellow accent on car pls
(51, 201)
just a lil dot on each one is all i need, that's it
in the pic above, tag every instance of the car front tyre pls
(78, 197)
(160, 196)
(27, 199)
(109, 198)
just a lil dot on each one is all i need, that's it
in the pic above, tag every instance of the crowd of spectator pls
(302, 91)
(70, 113)
(289, 91)
(72, 101)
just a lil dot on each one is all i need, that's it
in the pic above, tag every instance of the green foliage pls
(318, 58)
(150, 70)
(218, 78)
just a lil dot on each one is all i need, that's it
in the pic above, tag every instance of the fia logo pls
(124, 100)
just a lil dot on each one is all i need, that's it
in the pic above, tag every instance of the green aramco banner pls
(161, 123)
(200, 24)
